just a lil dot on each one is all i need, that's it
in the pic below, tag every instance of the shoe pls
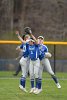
(58, 85)
(32, 90)
(38, 91)
(22, 88)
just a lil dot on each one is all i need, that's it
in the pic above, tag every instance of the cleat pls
(22, 88)
(58, 85)
(32, 90)
(25, 90)
(38, 91)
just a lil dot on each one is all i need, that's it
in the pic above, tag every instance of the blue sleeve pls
(46, 49)
(21, 47)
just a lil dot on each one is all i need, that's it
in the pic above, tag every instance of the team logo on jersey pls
(40, 47)
(31, 48)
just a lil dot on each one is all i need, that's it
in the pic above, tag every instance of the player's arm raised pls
(19, 37)
(34, 38)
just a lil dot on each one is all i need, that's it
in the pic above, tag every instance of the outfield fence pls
(11, 65)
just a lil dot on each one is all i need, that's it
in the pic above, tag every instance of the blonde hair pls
(27, 36)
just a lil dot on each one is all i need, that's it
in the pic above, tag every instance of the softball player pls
(18, 58)
(23, 61)
(34, 64)
(20, 55)
(45, 61)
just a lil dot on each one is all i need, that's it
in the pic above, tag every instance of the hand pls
(18, 47)
(16, 58)
(17, 32)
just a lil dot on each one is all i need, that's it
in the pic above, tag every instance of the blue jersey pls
(25, 49)
(33, 52)
(42, 49)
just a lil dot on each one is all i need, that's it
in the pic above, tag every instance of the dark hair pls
(23, 36)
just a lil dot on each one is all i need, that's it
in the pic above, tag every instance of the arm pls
(19, 37)
(34, 38)
(28, 31)
(20, 50)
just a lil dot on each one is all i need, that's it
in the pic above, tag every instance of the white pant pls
(24, 66)
(45, 63)
(34, 68)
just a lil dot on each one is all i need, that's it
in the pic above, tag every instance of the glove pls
(27, 30)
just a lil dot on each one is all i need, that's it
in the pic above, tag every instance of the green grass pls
(9, 88)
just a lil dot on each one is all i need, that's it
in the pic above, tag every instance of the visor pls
(40, 37)
(31, 40)
(27, 36)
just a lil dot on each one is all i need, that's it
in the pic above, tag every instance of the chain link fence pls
(11, 65)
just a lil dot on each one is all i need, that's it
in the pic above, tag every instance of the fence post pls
(54, 58)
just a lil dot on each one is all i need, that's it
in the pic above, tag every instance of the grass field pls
(9, 88)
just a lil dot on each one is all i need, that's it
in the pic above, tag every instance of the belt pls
(34, 59)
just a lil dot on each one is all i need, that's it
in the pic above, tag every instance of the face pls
(27, 38)
(40, 41)
(31, 42)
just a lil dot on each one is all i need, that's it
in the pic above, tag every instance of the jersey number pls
(24, 48)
